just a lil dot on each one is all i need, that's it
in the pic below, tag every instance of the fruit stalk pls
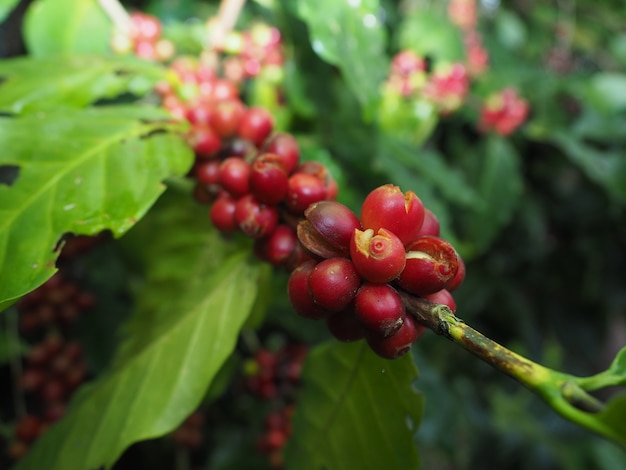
(566, 394)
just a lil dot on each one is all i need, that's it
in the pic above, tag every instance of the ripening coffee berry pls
(226, 117)
(255, 219)
(459, 277)
(222, 213)
(333, 284)
(379, 308)
(397, 344)
(286, 147)
(299, 294)
(204, 141)
(387, 207)
(443, 297)
(279, 245)
(345, 326)
(431, 262)
(256, 125)
(430, 226)
(378, 258)
(303, 190)
(235, 176)
(268, 179)
(208, 173)
(334, 222)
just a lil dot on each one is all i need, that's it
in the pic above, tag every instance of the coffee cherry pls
(345, 326)
(286, 147)
(430, 226)
(28, 428)
(387, 207)
(226, 117)
(379, 308)
(378, 258)
(397, 344)
(199, 115)
(333, 284)
(459, 277)
(208, 173)
(268, 179)
(256, 125)
(204, 141)
(431, 262)
(443, 297)
(234, 176)
(335, 222)
(279, 245)
(303, 190)
(222, 213)
(255, 219)
(300, 295)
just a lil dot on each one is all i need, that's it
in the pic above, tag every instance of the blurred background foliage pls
(539, 216)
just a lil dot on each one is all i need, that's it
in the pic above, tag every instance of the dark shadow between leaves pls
(9, 174)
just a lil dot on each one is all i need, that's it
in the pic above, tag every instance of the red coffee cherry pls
(227, 116)
(387, 207)
(204, 141)
(222, 213)
(199, 115)
(268, 179)
(443, 297)
(28, 428)
(299, 294)
(256, 125)
(397, 344)
(333, 284)
(379, 308)
(378, 258)
(255, 219)
(234, 176)
(279, 245)
(335, 222)
(459, 277)
(430, 226)
(208, 173)
(303, 190)
(286, 147)
(345, 326)
(431, 262)
(223, 90)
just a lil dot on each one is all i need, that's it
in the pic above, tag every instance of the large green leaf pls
(500, 187)
(198, 293)
(357, 411)
(607, 168)
(80, 172)
(349, 34)
(53, 27)
(428, 32)
(31, 84)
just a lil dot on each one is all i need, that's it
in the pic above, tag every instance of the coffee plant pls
(233, 232)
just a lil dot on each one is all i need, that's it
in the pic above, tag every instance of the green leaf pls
(618, 366)
(349, 34)
(80, 172)
(500, 187)
(429, 33)
(198, 293)
(6, 7)
(613, 418)
(357, 411)
(607, 168)
(606, 90)
(53, 27)
(77, 81)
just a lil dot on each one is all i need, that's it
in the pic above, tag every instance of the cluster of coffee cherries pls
(57, 303)
(275, 375)
(253, 52)
(463, 14)
(361, 263)
(503, 112)
(143, 38)
(446, 86)
(189, 435)
(53, 369)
